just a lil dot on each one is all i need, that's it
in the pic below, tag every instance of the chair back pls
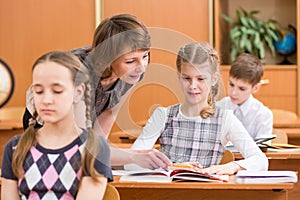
(227, 157)
(111, 193)
(283, 115)
(281, 136)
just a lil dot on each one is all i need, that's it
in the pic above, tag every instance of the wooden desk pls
(201, 190)
(284, 161)
(8, 129)
(193, 190)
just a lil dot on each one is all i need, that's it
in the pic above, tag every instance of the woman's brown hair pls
(115, 36)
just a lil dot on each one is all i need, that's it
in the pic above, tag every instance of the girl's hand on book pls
(225, 169)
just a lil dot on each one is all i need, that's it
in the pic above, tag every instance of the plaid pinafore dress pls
(188, 140)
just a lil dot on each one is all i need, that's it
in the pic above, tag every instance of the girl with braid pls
(59, 160)
(195, 131)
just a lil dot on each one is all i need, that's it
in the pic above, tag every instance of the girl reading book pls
(195, 130)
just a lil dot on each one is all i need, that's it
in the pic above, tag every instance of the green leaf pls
(257, 40)
(271, 26)
(233, 54)
(234, 33)
(252, 23)
(261, 30)
(254, 12)
(251, 32)
(228, 19)
(272, 34)
(243, 29)
(248, 46)
(270, 44)
(245, 13)
(243, 42)
(261, 50)
(273, 21)
(244, 21)
(238, 16)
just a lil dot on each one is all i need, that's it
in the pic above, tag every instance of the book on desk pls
(272, 176)
(163, 176)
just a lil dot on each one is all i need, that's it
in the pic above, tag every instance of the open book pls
(171, 175)
(244, 176)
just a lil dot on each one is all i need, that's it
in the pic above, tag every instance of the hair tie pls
(88, 123)
(32, 122)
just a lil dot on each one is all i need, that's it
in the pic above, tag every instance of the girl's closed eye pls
(201, 78)
(38, 90)
(57, 89)
(185, 78)
(130, 61)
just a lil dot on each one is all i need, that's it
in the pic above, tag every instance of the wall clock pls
(6, 83)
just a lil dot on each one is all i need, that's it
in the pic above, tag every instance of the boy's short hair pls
(248, 68)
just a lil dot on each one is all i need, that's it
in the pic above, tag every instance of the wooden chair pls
(281, 138)
(111, 193)
(227, 157)
(283, 115)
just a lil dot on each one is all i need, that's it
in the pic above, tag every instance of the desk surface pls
(203, 185)
(202, 190)
(276, 155)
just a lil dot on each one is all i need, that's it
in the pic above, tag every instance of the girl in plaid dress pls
(59, 160)
(195, 130)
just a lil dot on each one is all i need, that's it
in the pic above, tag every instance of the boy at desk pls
(195, 130)
(244, 80)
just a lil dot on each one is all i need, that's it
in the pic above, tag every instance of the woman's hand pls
(228, 169)
(151, 158)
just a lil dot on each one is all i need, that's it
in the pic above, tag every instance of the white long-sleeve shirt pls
(257, 118)
(232, 130)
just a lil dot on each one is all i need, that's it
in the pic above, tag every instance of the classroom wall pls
(172, 23)
(32, 27)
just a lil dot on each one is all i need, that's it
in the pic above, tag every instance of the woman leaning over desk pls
(116, 61)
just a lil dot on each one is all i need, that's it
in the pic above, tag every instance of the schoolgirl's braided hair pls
(204, 55)
(79, 76)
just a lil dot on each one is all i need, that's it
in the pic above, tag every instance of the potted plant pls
(251, 34)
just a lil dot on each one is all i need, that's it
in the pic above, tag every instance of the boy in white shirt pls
(244, 80)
